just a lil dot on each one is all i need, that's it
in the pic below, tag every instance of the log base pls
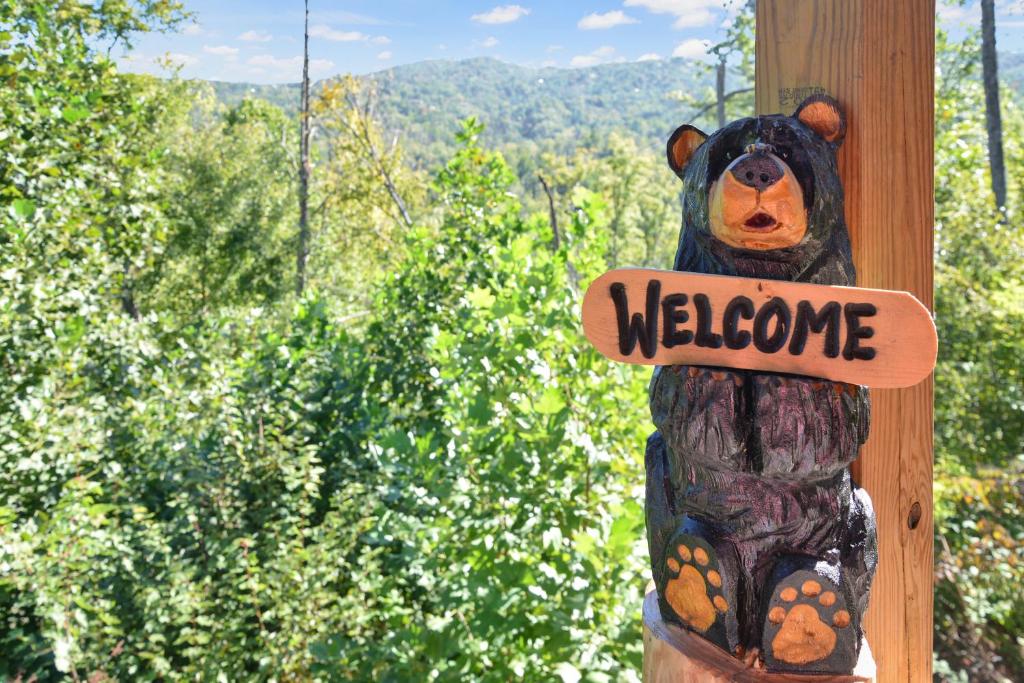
(675, 655)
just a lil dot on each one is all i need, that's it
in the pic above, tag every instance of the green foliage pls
(365, 197)
(508, 520)
(535, 109)
(229, 198)
(244, 497)
(979, 403)
(423, 471)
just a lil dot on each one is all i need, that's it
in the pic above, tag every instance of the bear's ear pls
(681, 146)
(824, 116)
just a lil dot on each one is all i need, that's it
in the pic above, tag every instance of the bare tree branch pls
(556, 238)
(304, 167)
(705, 109)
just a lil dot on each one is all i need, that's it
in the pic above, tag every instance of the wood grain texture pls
(902, 332)
(877, 58)
(674, 655)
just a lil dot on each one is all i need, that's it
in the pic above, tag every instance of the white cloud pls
(503, 14)
(584, 60)
(601, 55)
(649, 57)
(694, 48)
(327, 33)
(182, 59)
(384, 56)
(555, 48)
(549, 62)
(688, 13)
(694, 19)
(288, 66)
(276, 62)
(316, 65)
(597, 21)
(256, 37)
(193, 30)
(489, 41)
(956, 14)
(442, 47)
(222, 50)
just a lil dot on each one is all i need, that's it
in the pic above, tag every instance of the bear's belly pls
(751, 505)
(774, 425)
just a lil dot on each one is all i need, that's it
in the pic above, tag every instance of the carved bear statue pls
(758, 536)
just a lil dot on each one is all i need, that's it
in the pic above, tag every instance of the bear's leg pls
(659, 506)
(701, 585)
(810, 618)
(859, 555)
(697, 576)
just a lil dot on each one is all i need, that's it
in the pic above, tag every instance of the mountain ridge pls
(534, 108)
(549, 107)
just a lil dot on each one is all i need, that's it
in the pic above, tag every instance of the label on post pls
(872, 337)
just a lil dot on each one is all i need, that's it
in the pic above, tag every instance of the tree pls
(979, 398)
(229, 192)
(304, 164)
(993, 115)
(80, 216)
(738, 41)
(365, 196)
(502, 504)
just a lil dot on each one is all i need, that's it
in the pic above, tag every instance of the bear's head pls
(762, 197)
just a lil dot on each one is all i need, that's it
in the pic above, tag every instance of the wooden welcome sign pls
(872, 337)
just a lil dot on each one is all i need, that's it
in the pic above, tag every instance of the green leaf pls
(481, 298)
(550, 402)
(23, 208)
(74, 114)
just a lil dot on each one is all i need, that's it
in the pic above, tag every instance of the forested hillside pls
(549, 108)
(1012, 65)
(407, 464)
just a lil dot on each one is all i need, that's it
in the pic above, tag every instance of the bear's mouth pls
(761, 222)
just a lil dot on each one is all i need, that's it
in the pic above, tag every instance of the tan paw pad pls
(693, 589)
(804, 627)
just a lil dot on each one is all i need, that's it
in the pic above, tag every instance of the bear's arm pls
(803, 425)
(703, 415)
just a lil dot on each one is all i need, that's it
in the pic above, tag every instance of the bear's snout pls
(759, 170)
(757, 203)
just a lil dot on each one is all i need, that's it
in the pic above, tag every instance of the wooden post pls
(877, 58)
(675, 655)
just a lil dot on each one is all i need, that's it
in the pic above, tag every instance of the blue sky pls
(260, 41)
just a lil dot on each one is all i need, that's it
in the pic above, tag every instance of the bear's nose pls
(758, 170)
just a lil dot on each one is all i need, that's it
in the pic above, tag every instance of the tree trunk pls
(720, 96)
(556, 238)
(304, 169)
(993, 118)
(127, 293)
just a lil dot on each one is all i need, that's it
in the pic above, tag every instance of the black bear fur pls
(753, 465)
